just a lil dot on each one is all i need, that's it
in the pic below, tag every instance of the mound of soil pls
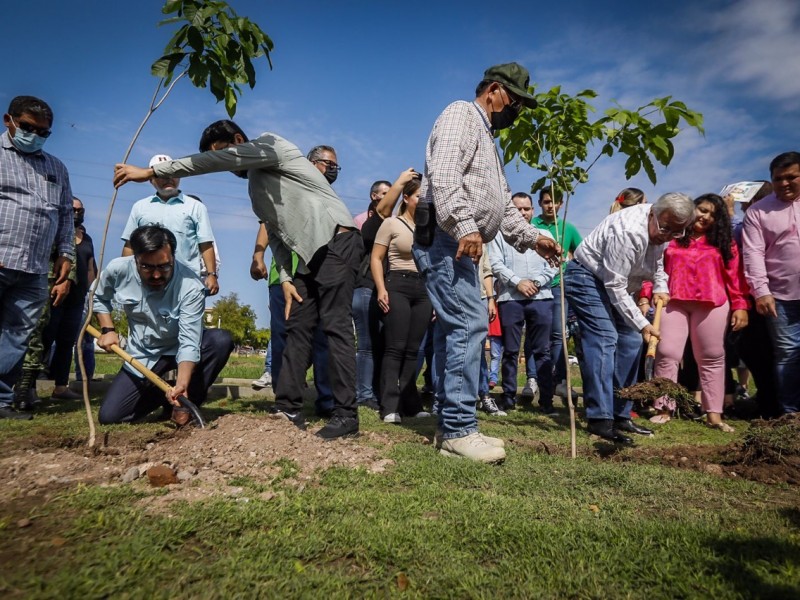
(769, 453)
(204, 461)
(644, 394)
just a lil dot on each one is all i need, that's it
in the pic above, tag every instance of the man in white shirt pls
(610, 265)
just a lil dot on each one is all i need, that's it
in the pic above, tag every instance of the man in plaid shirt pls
(36, 202)
(464, 180)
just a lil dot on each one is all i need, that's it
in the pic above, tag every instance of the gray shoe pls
(474, 447)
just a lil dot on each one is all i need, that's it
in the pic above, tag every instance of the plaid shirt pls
(35, 209)
(465, 179)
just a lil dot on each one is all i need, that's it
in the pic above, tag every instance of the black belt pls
(413, 274)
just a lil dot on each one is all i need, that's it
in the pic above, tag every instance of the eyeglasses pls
(328, 163)
(667, 231)
(162, 268)
(29, 128)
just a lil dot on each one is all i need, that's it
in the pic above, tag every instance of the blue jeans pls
(785, 331)
(536, 316)
(461, 326)
(556, 339)
(277, 324)
(268, 357)
(22, 298)
(367, 325)
(496, 352)
(611, 348)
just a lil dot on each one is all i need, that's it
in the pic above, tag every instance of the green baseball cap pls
(515, 78)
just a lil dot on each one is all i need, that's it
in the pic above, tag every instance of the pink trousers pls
(705, 325)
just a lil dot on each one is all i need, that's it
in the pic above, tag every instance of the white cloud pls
(757, 44)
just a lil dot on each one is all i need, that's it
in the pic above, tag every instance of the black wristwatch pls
(105, 330)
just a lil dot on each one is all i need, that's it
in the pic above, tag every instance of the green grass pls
(539, 526)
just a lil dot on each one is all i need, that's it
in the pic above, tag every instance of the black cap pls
(513, 77)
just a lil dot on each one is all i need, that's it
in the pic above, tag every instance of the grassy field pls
(539, 526)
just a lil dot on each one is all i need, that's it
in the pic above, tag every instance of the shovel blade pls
(649, 367)
(193, 410)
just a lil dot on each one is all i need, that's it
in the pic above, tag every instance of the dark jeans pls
(537, 317)
(131, 397)
(404, 327)
(62, 330)
(755, 349)
(785, 332)
(327, 293)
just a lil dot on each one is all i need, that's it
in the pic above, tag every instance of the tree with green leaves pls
(215, 48)
(239, 319)
(561, 140)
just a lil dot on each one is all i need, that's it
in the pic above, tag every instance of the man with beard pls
(303, 215)
(163, 300)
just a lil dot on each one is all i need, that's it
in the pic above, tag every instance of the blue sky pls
(370, 78)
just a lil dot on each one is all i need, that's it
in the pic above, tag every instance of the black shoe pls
(338, 427)
(26, 399)
(548, 410)
(629, 426)
(295, 418)
(371, 404)
(605, 429)
(8, 412)
(324, 413)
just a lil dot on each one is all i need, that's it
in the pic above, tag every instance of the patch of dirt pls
(769, 453)
(204, 461)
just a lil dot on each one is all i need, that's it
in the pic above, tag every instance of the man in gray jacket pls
(304, 215)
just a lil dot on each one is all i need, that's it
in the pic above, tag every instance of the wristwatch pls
(105, 330)
(212, 273)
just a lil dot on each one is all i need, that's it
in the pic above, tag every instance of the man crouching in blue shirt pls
(164, 301)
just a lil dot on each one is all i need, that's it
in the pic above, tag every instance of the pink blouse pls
(698, 274)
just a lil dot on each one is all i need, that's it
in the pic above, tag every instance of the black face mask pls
(504, 119)
(331, 174)
(77, 219)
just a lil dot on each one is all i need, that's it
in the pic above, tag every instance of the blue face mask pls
(27, 142)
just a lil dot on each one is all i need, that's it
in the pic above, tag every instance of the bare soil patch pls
(204, 461)
(769, 453)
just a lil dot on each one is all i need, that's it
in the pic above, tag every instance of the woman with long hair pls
(627, 198)
(406, 308)
(707, 291)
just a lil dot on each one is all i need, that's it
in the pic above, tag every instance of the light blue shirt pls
(510, 267)
(160, 322)
(184, 216)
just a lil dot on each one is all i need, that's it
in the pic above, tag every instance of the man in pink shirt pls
(771, 239)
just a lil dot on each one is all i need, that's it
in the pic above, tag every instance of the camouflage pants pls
(33, 364)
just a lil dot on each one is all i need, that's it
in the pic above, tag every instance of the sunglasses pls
(28, 128)
(329, 163)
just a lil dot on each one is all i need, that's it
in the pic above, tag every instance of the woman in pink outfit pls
(707, 291)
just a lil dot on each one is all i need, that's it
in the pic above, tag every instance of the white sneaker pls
(421, 415)
(474, 447)
(531, 389)
(492, 441)
(489, 406)
(392, 418)
(264, 381)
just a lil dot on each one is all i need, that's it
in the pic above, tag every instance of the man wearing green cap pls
(465, 183)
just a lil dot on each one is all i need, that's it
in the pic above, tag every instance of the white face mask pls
(27, 142)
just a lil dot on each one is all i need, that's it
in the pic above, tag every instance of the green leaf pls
(195, 38)
(171, 6)
(230, 102)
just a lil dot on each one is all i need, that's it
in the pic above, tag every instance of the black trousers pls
(327, 293)
(404, 326)
(130, 397)
(755, 349)
(62, 330)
